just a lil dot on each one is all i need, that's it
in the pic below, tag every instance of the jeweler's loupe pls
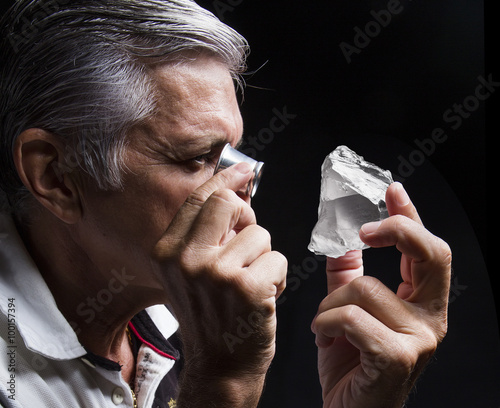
(230, 156)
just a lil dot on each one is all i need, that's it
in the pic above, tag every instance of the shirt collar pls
(42, 326)
(38, 320)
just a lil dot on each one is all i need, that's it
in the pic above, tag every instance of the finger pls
(375, 298)
(385, 355)
(342, 270)
(387, 360)
(268, 273)
(252, 242)
(430, 256)
(233, 178)
(398, 202)
(222, 213)
(362, 330)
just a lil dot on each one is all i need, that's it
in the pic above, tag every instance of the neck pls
(97, 302)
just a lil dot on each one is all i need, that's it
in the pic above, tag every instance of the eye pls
(205, 161)
(202, 161)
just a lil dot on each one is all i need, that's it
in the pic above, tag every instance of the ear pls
(40, 163)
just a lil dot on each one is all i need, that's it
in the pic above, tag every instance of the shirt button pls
(118, 396)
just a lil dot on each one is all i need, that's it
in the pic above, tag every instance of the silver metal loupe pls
(230, 156)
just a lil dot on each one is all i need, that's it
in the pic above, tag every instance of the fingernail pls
(370, 227)
(243, 168)
(402, 197)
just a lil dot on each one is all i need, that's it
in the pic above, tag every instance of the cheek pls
(187, 182)
(150, 202)
(177, 188)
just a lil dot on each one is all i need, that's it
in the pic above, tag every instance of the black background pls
(393, 92)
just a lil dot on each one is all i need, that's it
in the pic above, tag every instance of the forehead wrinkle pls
(193, 101)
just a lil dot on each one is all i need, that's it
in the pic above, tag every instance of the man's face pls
(167, 157)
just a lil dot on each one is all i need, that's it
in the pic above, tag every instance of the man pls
(113, 115)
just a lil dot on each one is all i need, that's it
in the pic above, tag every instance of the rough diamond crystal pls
(352, 194)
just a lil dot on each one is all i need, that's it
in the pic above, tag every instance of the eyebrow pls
(215, 142)
(202, 144)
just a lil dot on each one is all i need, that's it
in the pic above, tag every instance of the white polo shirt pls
(42, 363)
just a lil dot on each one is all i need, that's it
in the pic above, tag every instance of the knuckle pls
(260, 232)
(281, 264)
(204, 193)
(352, 315)
(431, 345)
(396, 357)
(438, 252)
(403, 225)
(197, 198)
(282, 260)
(206, 190)
(445, 252)
(402, 358)
(399, 221)
(367, 288)
(217, 270)
(439, 326)
(223, 194)
(226, 199)
(188, 259)
(426, 349)
(258, 236)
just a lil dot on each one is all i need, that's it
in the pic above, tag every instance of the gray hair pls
(78, 69)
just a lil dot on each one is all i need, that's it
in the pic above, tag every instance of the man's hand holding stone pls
(373, 343)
